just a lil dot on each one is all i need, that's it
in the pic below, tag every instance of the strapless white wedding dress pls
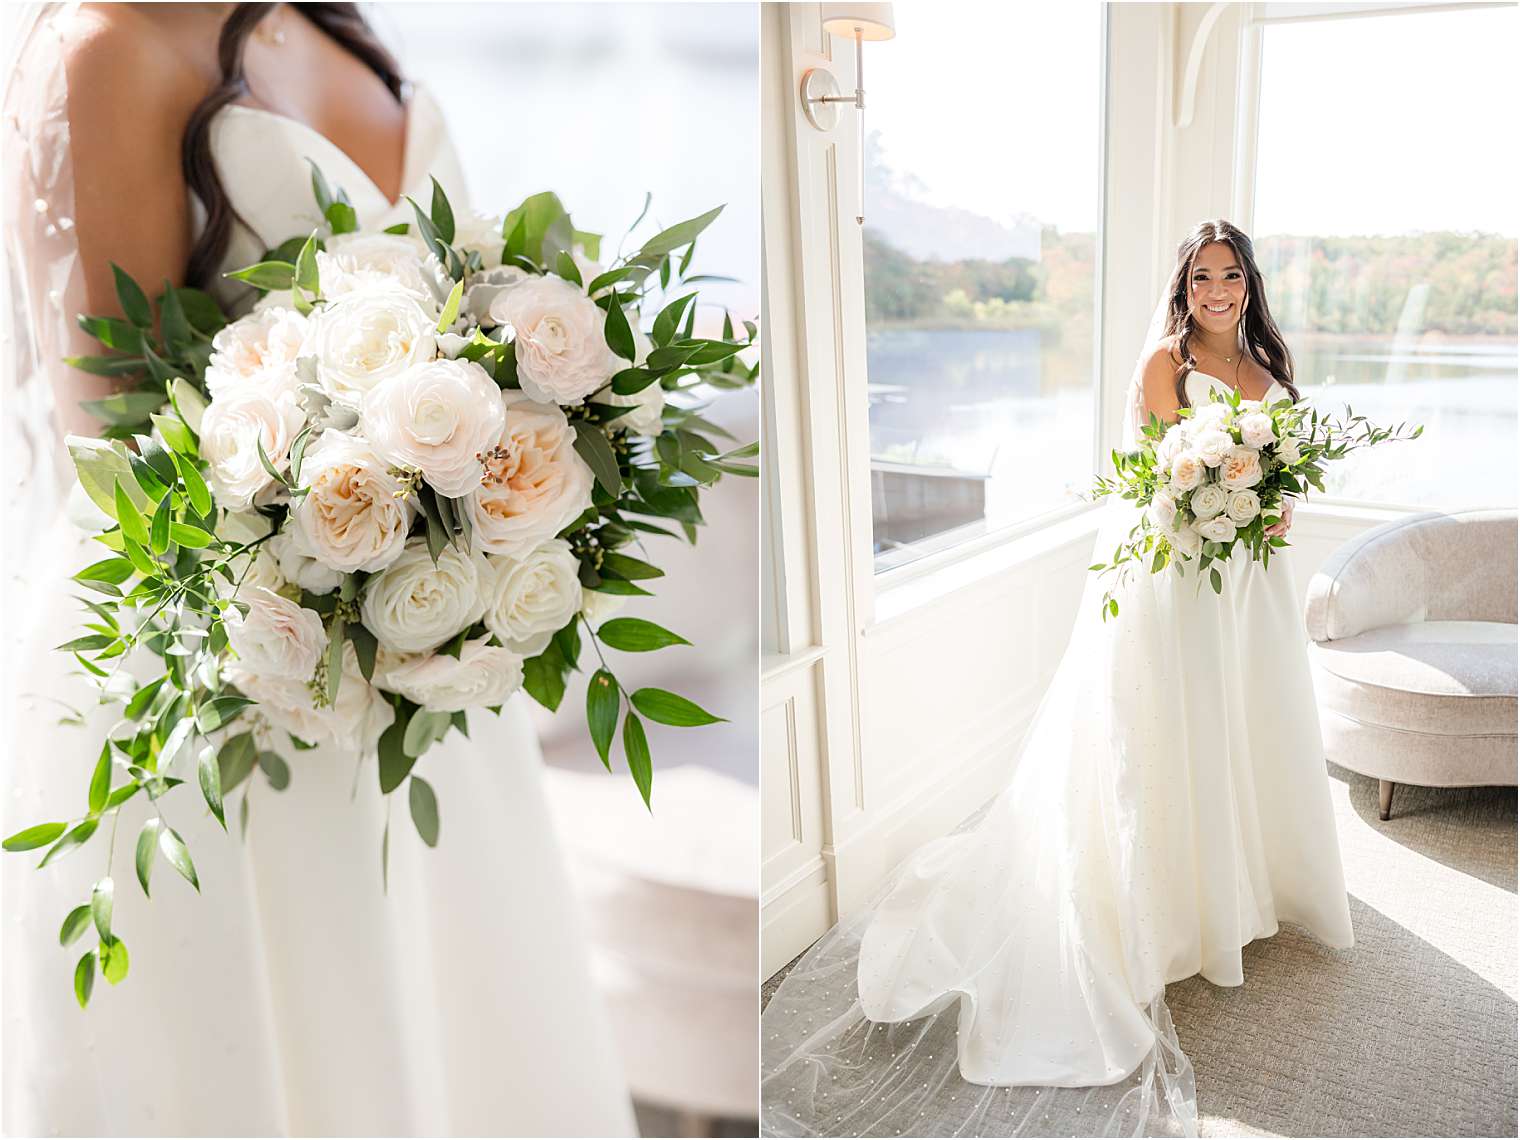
(1170, 804)
(292, 996)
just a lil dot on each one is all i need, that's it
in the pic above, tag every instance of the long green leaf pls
(100, 782)
(39, 835)
(602, 707)
(678, 235)
(671, 708)
(209, 773)
(592, 445)
(147, 847)
(178, 854)
(74, 925)
(635, 635)
(424, 804)
(84, 979)
(102, 901)
(134, 302)
(636, 752)
(70, 842)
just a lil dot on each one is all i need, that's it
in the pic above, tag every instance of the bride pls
(1170, 804)
(291, 996)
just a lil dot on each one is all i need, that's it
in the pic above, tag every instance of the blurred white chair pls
(670, 899)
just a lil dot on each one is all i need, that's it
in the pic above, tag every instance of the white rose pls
(1187, 472)
(1212, 414)
(1185, 541)
(356, 262)
(1256, 429)
(299, 565)
(1218, 529)
(1172, 444)
(1288, 450)
(482, 234)
(597, 607)
(562, 353)
(1241, 467)
(1243, 507)
(535, 483)
(368, 336)
(353, 724)
(260, 349)
(1163, 510)
(439, 417)
(1208, 501)
(1212, 444)
(482, 676)
(533, 597)
(413, 605)
(353, 517)
(277, 637)
(234, 425)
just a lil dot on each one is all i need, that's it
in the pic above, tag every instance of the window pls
(1385, 226)
(982, 193)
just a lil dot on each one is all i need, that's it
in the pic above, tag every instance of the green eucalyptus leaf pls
(38, 835)
(70, 842)
(174, 849)
(84, 979)
(102, 901)
(100, 782)
(74, 925)
(147, 847)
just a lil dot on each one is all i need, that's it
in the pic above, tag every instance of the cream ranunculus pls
(366, 337)
(1256, 429)
(483, 675)
(413, 605)
(535, 482)
(1187, 472)
(232, 429)
(534, 596)
(260, 349)
(277, 637)
(1212, 444)
(1163, 510)
(1217, 529)
(1243, 507)
(562, 353)
(1241, 467)
(352, 263)
(297, 564)
(438, 417)
(1208, 501)
(353, 517)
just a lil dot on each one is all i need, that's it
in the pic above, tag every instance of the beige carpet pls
(1412, 1032)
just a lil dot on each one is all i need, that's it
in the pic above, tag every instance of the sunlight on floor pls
(1459, 914)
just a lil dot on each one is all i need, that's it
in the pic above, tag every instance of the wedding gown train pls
(1170, 804)
(292, 995)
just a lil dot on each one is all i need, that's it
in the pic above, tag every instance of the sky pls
(1383, 125)
(1386, 124)
(994, 107)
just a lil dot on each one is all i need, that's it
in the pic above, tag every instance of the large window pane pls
(1386, 225)
(981, 200)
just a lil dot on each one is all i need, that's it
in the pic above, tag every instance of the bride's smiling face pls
(1217, 288)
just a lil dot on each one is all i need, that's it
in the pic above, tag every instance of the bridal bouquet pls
(411, 481)
(1216, 480)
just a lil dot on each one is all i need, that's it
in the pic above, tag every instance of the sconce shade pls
(873, 21)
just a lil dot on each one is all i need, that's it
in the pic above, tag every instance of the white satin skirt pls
(292, 996)
(1170, 804)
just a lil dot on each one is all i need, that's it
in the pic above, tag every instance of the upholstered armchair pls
(1414, 652)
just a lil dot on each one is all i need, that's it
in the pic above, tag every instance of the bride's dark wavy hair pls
(1258, 331)
(345, 26)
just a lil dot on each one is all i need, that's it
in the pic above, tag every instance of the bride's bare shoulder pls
(120, 63)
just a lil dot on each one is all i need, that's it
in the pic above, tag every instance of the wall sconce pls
(821, 97)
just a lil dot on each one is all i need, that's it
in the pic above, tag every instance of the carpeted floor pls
(1410, 1033)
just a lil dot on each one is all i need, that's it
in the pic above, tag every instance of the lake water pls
(1017, 406)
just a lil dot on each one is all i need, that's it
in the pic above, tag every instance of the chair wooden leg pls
(1385, 798)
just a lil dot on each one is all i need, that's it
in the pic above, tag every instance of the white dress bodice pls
(264, 160)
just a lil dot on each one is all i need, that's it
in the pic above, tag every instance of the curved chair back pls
(1424, 567)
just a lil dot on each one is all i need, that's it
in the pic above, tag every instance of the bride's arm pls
(127, 107)
(1160, 383)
